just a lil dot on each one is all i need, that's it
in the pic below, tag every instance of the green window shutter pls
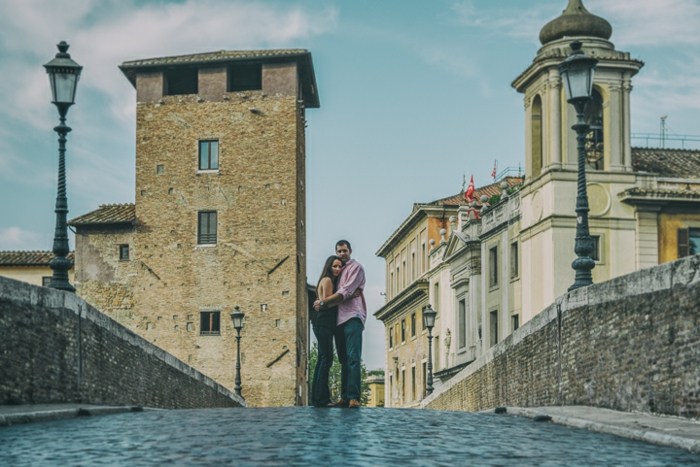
(683, 243)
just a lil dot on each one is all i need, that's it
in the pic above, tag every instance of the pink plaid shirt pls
(352, 278)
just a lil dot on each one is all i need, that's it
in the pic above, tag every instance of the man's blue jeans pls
(352, 367)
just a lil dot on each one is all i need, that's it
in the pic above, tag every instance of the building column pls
(555, 119)
(627, 132)
(616, 121)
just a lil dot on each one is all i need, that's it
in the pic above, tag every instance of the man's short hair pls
(343, 242)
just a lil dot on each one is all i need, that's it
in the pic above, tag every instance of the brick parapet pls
(58, 348)
(627, 344)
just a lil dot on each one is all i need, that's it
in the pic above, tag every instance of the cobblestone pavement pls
(307, 436)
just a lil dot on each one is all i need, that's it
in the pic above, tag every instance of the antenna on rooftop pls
(662, 129)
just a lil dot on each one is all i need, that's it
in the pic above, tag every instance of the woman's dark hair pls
(328, 271)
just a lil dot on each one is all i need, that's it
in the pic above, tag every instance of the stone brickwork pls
(258, 260)
(57, 348)
(629, 344)
(101, 276)
(254, 261)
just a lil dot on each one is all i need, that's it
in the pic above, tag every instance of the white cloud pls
(656, 23)
(515, 22)
(16, 238)
(104, 34)
(448, 58)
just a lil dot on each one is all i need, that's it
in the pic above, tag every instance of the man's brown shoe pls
(353, 404)
(340, 403)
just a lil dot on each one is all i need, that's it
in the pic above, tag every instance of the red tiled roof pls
(490, 190)
(28, 258)
(676, 163)
(107, 214)
(453, 201)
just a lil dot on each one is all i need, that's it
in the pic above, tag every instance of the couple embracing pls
(341, 316)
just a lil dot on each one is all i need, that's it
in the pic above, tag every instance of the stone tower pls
(218, 218)
(548, 198)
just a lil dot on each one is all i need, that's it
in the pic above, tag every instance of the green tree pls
(334, 376)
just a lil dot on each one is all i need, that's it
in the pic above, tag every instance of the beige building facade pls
(30, 266)
(508, 257)
(417, 275)
(407, 255)
(376, 390)
(218, 218)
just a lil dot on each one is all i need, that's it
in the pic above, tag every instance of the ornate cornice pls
(410, 296)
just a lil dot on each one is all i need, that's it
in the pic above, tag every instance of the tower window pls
(123, 252)
(206, 228)
(210, 323)
(537, 142)
(180, 81)
(209, 155)
(245, 77)
(594, 138)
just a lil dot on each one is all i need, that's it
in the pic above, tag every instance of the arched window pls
(594, 138)
(537, 146)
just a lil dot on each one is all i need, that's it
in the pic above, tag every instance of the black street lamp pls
(63, 75)
(577, 75)
(237, 317)
(429, 321)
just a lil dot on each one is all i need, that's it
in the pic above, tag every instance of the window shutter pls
(683, 243)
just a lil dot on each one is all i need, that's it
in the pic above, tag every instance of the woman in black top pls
(324, 326)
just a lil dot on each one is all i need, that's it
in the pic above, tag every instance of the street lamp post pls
(63, 75)
(577, 75)
(429, 321)
(237, 317)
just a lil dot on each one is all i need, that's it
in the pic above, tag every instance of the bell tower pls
(548, 118)
(548, 196)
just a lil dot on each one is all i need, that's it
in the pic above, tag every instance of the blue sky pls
(414, 95)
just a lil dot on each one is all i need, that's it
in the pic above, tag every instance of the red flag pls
(493, 172)
(468, 195)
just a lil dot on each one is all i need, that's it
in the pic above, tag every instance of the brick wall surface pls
(629, 344)
(56, 348)
(254, 260)
(258, 194)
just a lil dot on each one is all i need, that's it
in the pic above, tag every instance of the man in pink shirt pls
(352, 314)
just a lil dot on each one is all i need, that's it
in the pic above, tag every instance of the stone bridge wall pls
(55, 347)
(631, 344)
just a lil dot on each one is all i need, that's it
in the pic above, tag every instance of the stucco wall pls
(627, 344)
(55, 347)
(31, 274)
